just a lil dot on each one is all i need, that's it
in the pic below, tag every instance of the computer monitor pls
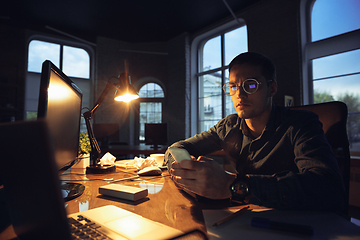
(60, 105)
(155, 134)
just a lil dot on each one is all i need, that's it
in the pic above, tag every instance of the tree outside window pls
(336, 72)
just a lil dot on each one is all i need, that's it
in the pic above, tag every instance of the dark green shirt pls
(290, 165)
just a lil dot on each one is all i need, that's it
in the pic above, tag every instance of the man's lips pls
(242, 104)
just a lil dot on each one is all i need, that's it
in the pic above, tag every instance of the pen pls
(123, 179)
(244, 209)
(281, 226)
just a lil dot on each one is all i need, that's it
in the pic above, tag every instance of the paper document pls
(326, 225)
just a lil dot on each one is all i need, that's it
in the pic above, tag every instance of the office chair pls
(333, 116)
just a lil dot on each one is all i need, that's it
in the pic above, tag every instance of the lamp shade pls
(126, 94)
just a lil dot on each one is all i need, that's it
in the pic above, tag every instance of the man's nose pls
(240, 92)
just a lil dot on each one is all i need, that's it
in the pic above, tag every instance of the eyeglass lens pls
(250, 86)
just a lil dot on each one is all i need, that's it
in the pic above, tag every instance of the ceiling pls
(126, 20)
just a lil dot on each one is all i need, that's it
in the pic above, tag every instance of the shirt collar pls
(269, 125)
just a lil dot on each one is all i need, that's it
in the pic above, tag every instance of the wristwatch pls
(239, 189)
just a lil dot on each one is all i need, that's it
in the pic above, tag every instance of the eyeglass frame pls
(242, 85)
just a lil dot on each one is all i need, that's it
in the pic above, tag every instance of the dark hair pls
(256, 59)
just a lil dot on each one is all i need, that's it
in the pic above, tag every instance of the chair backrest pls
(333, 116)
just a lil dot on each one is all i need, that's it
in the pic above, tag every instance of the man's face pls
(250, 106)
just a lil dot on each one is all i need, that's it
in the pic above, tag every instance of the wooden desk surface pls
(132, 149)
(170, 206)
(165, 203)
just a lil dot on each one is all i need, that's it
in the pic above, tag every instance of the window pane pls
(213, 103)
(40, 51)
(336, 76)
(210, 100)
(151, 90)
(336, 88)
(338, 64)
(229, 106)
(76, 62)
(345, 89)
(211, 55)
(235, 43)
(150, 112)
(333, 17)
(354, 133)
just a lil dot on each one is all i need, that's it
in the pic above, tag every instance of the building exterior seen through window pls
(214, 56)
(336, 73)
(151, 98)
(73, 61)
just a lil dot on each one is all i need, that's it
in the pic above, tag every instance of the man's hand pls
(203, 176)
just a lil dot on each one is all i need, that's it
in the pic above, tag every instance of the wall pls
(274, 30)
(172, 68)
(12, 73)
(177, 108)
(162, 61)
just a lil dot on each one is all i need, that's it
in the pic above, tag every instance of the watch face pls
(239, 189)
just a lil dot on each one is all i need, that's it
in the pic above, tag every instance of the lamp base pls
(98, 169)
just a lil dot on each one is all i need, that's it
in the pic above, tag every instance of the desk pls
(169, 206)
(133, 149)
(165, 204)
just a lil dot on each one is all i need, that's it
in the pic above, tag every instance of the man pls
(280, 157)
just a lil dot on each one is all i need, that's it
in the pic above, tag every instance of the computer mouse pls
(150, 171)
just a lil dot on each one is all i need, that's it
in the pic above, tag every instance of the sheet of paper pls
(326, 225)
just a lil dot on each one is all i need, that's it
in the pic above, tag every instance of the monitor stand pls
(71, 190)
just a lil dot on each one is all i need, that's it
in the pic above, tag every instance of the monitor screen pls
(155, 134)
(60, 104)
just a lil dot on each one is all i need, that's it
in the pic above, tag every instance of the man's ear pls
(273, 88)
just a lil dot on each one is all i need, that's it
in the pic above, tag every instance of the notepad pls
(123, 191)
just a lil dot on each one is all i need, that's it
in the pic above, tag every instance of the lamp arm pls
(95, 149)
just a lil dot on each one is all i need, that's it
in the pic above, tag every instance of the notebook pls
(35, 205)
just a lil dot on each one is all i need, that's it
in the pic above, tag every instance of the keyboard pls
(83, 228)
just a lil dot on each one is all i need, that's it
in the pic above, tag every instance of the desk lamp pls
(125, 93)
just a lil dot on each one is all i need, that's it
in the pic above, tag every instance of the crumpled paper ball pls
(107, 159)
(141, 163)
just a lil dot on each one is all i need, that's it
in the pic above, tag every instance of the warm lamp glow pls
(125, 92)
(126, 97)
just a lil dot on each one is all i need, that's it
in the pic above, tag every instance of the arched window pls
(151, 103)
(215, 50)
(331, 57)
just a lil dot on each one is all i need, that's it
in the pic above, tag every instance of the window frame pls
(135, 114)
(61, 41)
(321, 48)
(311, 50)
(196, 46)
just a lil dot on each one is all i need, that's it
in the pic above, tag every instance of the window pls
(332, 52)
(39, 51)
(214, 54)
(333, 17)
(75, 62)
(151, 100)
(71, 57)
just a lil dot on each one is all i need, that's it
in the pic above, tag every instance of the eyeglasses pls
(249, 86)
